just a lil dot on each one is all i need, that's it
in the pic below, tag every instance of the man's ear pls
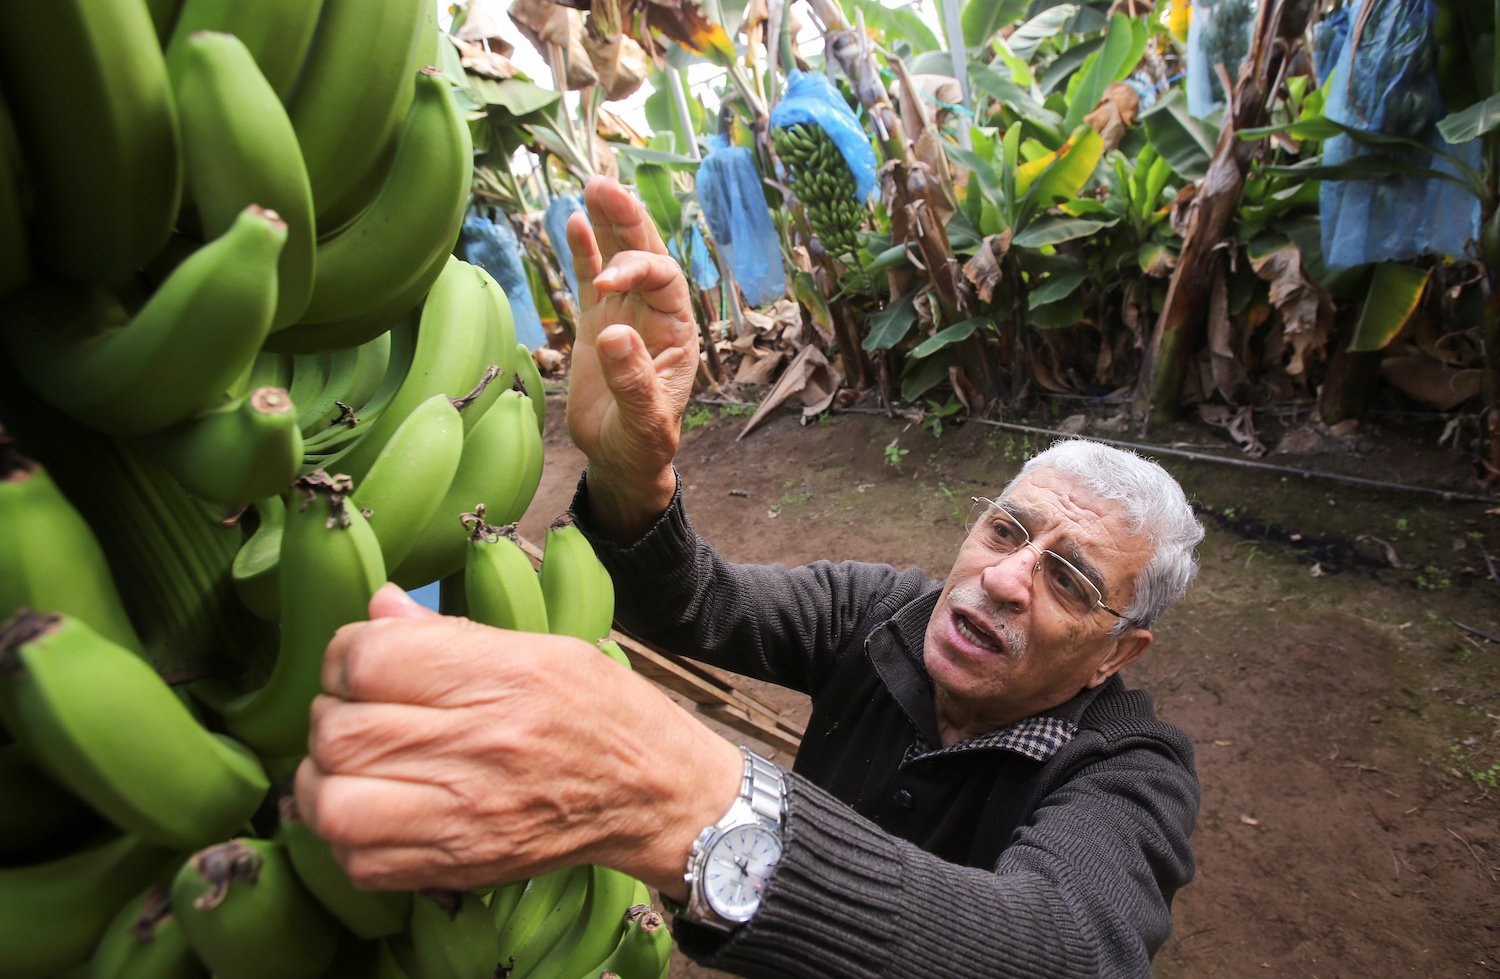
(1126, 650)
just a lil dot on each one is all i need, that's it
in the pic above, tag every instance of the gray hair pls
(1155, 507)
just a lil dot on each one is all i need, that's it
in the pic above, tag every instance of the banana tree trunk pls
(1178, 334)
(1489, 459)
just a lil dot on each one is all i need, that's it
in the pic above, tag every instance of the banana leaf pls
(1395, 292)
(1184, 142)
(890, 326)
(1024, 40)
(1124, 43)
(982, 19)
(1473, 122)
(1054, 230)
(1063, 66)
(948, 335)
(654, 183)
(897, 23)
(920, 376)
(1056, 288)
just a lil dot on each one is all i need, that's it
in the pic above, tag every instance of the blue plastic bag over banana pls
(699, 265)
(556, 224)
(492, 245)
(1388, 83)
(811, 99)
(735, 208)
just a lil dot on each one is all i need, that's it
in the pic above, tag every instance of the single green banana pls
(355, 87)
(248, 916)
(643, 952)
(330, 565)
(539, 899)
(525, 955)
(310, 376)
(38, 810)
(500, 585)
(414, 218)
(15, 251)
(238, 149)
(500, 468)
(256, 564)
(144, 941)
(175, 357)
(100, 139)
(278, 33)
(353, 376)
(450, 345)
(52, 913)
(51, 559)
(451, 936)
(411, 475)
(503, 902)
(499, 349)
(101, 721)
(243, 450)
(529, 378)
(596, 931)
(340, 334)
(578, 591)
(368, 914)
(612, 649)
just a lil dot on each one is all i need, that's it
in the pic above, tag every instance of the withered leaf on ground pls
(810, 375)
(1431, 381)
(1238, 423)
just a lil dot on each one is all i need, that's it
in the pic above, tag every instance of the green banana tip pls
(450, 901)
(155, 909)
(23, 627)
(220, 866)
(15, 465)
(336, 487)
(490, 373)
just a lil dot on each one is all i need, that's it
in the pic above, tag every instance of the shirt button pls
(904, 799)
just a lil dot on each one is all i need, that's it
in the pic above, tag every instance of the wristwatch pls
(732, 859)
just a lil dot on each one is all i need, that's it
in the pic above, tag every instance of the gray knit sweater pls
(991, 858)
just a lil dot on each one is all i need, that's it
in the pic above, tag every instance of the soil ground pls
(1347, 731)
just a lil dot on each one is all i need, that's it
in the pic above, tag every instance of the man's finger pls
(656, 279)
(620, 222)
(352, 811)
(586, 260)
(630, 373)
(391, 601)
(409, 868)
(395, 741)
(435, 662)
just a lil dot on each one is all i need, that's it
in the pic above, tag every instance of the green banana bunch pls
(247, 915)
(351, 331)
(38, 810)
(452, 338)
(578, 591)
(824, 184)
(256, 564)
(411, 475)
(503, 902)
(278, 33)
(529, 379)
(99, 138)
(451, 936)
(501, 588)
(144, 941)
(368, 914)
(51, 559)
(644, 950)
(238, 149)
(354, 374)
(15, 253)
(336, 439)
(596, 931)
(309, 375)
(244, 449)
(101, 721)
(551, 904)
(330, 565)
(500, 468)
(179, 354)
(52, 913)
(354, 90)
(414, 218)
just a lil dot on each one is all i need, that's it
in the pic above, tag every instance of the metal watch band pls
(762, 800)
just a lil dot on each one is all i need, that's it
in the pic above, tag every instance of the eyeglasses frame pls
(1042, 553)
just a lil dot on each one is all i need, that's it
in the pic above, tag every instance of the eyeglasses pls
(1003, 534)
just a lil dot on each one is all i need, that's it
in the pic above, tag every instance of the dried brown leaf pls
(1115, 114)
(983, 270)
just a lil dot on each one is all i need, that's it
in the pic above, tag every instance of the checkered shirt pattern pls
(1038, 738)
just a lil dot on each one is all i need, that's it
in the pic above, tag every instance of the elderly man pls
(977, 794)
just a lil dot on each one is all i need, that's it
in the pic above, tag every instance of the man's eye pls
(1067, 582)
(1006, 532)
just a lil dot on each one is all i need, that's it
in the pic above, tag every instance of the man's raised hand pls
(634, 358)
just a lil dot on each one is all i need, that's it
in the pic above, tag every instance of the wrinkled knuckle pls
(333, 740)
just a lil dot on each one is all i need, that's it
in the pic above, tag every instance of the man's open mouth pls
(971, 631)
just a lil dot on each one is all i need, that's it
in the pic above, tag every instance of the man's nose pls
(1010, 579)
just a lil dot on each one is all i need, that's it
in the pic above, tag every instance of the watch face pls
(739, 864)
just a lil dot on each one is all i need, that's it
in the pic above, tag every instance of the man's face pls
(1002, 643)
